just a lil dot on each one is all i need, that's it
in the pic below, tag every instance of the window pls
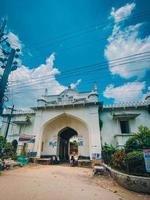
(124, 125)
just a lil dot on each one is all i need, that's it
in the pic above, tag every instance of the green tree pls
(118, 160)
(1, 144)
(135, 163)
(6, 150)
(139, 141)
(107, 152)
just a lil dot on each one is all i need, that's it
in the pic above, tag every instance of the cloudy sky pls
(79, 43)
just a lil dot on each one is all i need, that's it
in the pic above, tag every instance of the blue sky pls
(74, 36)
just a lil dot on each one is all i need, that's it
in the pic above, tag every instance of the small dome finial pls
(95, 87)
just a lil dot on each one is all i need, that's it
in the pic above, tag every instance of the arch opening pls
(63, 136)
(66, 145)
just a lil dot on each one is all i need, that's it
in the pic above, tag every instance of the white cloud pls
(26, 85)
(132, 91)
(14, 41)
(74, 85)
(122, 12)
(124, 42)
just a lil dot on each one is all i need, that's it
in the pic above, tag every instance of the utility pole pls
(8, 124)
(4, 79)
(7, 61)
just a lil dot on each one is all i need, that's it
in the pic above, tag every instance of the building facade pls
(48, 128)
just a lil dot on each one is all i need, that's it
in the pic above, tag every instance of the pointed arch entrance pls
(57, 133)
(64, 137)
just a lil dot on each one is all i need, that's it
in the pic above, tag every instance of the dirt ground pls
(39, 182)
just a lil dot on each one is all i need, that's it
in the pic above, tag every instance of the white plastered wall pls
(111, 127)
(15, 129)
(84, 120)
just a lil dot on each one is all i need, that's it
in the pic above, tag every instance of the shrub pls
(139, 141)
(107, 152)
(131, 159)
(8, 150)
(118, 160)
(1, 144)
(135, 163)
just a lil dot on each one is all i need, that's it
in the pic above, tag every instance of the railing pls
(122, 138)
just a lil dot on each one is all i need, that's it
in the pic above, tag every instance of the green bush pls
(7, 150)
(135, 163)
(118, 160)
(139, 141)
(1, 145)
(107, 152)
(131, 158)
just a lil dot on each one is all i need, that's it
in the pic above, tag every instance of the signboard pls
(27, 138)
(147, 159)
(53, 144)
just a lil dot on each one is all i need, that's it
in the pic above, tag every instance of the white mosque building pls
(47, 128)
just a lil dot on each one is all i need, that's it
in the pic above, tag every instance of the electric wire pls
(115, 61)
(89, 71)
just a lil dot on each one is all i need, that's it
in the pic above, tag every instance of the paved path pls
(52, 183)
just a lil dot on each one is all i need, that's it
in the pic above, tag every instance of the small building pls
(48, 128)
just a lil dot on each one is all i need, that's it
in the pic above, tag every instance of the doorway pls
(64, 150)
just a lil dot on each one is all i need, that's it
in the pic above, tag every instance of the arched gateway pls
(59, 117)
(57, 134)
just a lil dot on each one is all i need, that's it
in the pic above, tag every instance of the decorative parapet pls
(68, 97)
(19, 112)
(126, 105)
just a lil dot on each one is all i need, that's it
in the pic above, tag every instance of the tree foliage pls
(139, 141)
(131, 158)
(6, 150)
(107, 152)
(118, 159)
(135, 163)
(1, 144)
